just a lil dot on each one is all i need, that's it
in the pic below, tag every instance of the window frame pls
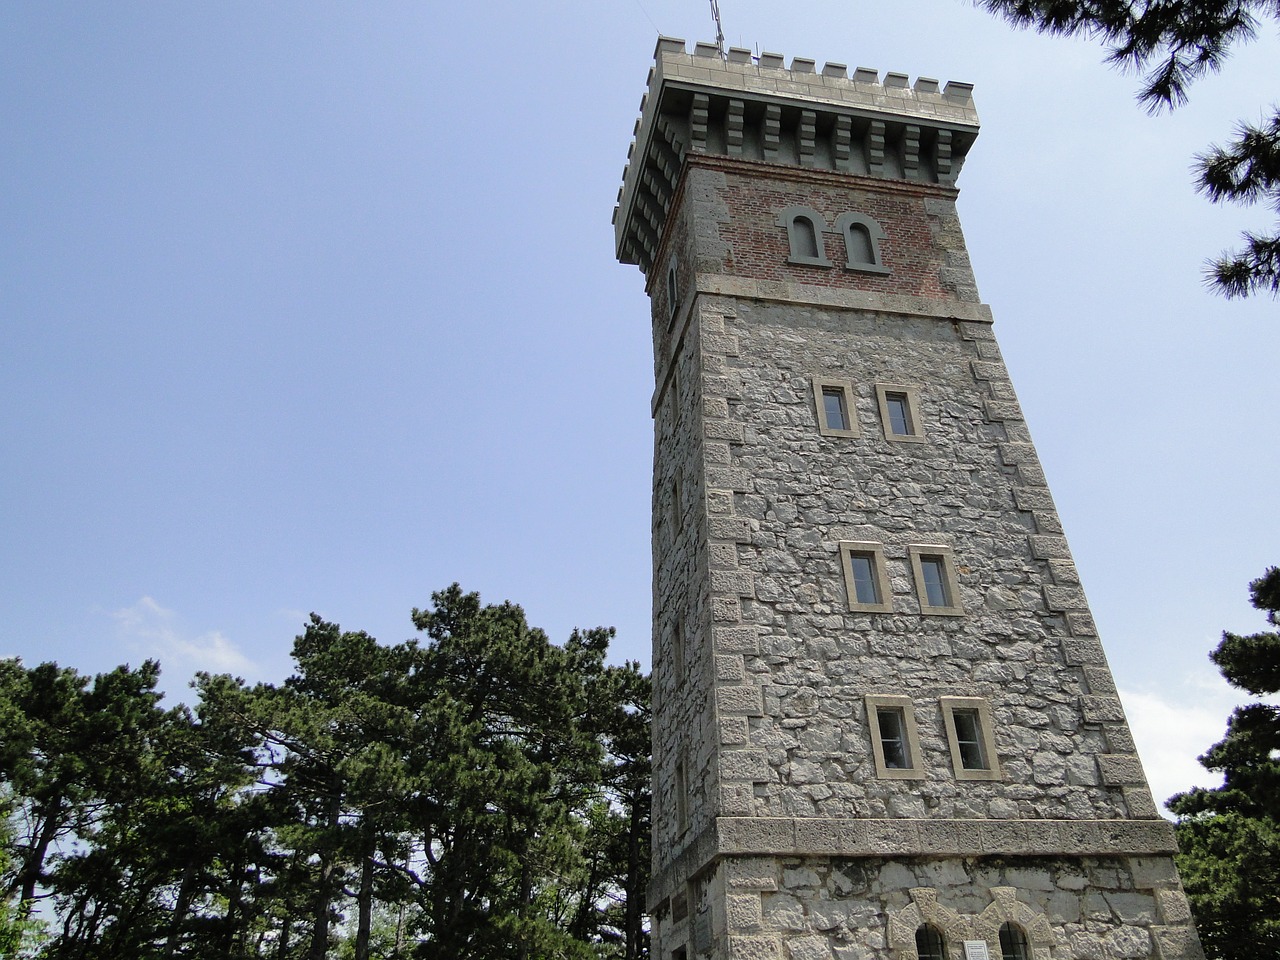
(851, 548)
(986, 730)
(845, 225)
(912, 396)
(920, 553)
(876, 702)
(821, 385)
(787, 219)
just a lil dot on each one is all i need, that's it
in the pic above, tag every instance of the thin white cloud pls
(1174, 725)
(156, 632)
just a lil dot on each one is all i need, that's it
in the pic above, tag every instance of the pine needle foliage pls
(1230, 836)
(479, 794)
(1172, 44)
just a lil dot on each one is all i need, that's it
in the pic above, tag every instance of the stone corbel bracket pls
(759, 109)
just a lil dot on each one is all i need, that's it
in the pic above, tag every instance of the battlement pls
(760, 109)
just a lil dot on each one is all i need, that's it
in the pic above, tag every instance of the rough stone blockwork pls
(882, 710)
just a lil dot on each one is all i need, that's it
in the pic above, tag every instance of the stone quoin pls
(884, 726)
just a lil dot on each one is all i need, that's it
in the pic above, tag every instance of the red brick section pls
(756, 192)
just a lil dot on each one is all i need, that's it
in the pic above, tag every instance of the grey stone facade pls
(781, 830)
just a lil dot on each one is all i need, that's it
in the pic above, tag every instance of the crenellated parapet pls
(760, 109)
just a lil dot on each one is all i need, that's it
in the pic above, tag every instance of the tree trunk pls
(364, 901)
(33, 864)
(634, 919)
(180, 908)
(235, 891)
(324, 886)
(320, 912)
(526, 897)
(286, 923)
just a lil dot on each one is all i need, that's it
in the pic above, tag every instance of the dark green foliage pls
(1173, 43)
(483, 795)
(1252, 663)
(1230, 836)
(18, 932)
(1230, 867)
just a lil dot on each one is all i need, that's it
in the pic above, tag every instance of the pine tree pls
(481, 796)
(1174, 43)
(18, 932)
(508, 761)
(1230, 836)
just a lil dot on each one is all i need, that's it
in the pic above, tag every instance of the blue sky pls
(313, 306)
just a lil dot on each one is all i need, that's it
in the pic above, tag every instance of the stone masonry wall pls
(683, 724)
(759, 695)
(1096, 908)
(793, 664)
(814, 661)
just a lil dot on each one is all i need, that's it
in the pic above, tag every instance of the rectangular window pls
(675, 506)
(900, 412)
(894, 744)
(836, 414)
(679, 906)
(935, 581)
(970, 737)
(677, 649)
(865, 588)
(934, 570)
(833, 406)
(893, 738)
(865, 579)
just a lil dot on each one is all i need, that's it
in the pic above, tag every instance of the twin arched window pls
(931, 945)
(862, 235)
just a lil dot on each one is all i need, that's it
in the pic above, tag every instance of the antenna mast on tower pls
(715, 15)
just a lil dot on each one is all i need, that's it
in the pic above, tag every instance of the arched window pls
(804, 239)
(930, 944)
(1013, 943)
(862, 237)
(805, 228)
(858, 243)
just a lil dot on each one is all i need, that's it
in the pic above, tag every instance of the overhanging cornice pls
(757, 108)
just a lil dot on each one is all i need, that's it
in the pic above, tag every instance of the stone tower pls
(884, 726)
